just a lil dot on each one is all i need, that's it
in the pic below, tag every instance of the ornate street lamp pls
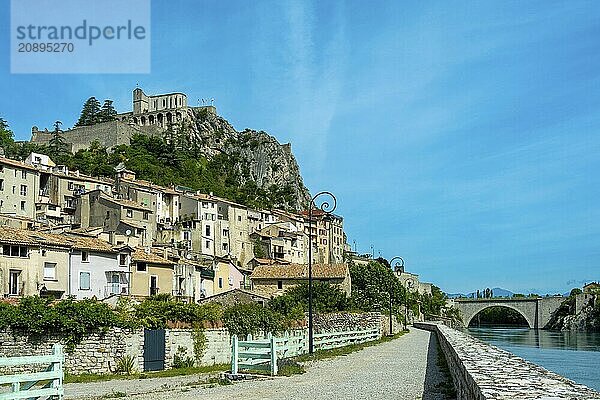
(327, 208)
(399, 264)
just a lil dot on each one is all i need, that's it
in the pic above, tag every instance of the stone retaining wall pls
(99, 353)
(481, 371)
(96, 354)
(345, 321)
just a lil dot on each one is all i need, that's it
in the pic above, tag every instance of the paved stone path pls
(404, 368)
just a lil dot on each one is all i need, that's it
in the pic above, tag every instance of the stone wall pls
(346, 321)
(481, 371)
(218, 346)
(96, 354)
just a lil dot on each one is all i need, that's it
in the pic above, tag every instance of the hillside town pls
(66, 234)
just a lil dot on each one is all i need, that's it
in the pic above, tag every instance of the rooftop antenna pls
(212, 101)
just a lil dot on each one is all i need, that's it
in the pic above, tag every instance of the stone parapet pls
(481, 371)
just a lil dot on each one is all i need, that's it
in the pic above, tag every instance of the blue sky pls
(462, 136)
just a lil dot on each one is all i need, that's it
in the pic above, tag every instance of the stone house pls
(59, 190)
(328, 237)
(591, 288)
(283, 241)
(19, 186)
(234, 297)
(163, 201)
(274, 280)
(127, 221)
(233, 231)
(196, 234)
(33, 263)
(151, 274)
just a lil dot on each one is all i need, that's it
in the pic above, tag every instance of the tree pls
(435, 302)
(107, 112)
(326, 298)
(372, 285)
(58, 149)
(90, 114)
(7, 141)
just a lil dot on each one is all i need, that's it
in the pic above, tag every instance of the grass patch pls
(87, 378)
(114, 395)
(342, 351)
(211, 381)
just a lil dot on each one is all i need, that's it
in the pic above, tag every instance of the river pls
(575, 355)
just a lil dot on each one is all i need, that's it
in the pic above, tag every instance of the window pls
(51, 207)
(141, 267)
(23, 190)
(207, 244)
(23, 206)
(225, 246)
(14, 189)
(24, 174)
(239, 218)
(220, 283)
(225, 232)
(129, 212)
(14, 280)
(84, 281)
(84, 256)
(14, 251)
(122, 260)
(1, 184)
(279, 285)
(153, 285)
(207, 230)
(70, 186)
(49, 271)
(146, 214)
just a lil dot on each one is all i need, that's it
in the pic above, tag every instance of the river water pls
(575, 355)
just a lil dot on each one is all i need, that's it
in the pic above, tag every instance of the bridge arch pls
(531, 324)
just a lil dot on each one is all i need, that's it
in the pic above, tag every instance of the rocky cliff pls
(577, 313)
(259, 157)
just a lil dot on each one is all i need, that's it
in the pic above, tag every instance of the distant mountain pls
(497, 292)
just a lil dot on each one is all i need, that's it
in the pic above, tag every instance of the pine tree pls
(57, 146)
(107, 112)
(90, 114)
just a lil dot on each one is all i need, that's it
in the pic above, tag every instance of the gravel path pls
(404, 368)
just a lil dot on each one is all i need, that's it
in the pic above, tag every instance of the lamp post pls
(327, 208)
(399, 263)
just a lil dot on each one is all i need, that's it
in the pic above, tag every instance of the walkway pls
(405, 368)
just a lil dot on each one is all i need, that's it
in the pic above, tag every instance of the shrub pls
(181, 360)
(125, 365)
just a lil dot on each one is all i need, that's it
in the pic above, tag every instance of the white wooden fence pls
(257, 355)
(261, 355)
(25, 386)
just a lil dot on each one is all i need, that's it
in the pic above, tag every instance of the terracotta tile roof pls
(300, 271)
(140, 255)
(15, 163)
(90, 243)
(25, 237)
(125, 203)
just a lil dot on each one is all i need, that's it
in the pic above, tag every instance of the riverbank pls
(481, 371)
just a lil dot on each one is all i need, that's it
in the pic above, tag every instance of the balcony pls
(116, 289)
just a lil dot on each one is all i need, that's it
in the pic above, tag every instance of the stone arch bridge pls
(536, 310)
